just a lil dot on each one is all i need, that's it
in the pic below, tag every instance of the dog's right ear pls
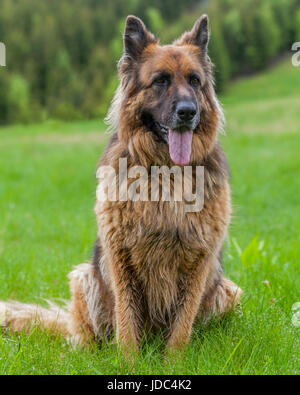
(136, 37)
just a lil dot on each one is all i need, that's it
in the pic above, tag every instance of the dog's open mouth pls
(180, 144)
(179, 139)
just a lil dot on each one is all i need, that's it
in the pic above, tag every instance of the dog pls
(155, 266)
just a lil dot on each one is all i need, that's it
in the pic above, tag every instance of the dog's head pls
(167, 90)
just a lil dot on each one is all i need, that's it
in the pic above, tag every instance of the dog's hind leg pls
(224, 295)
(91, 306)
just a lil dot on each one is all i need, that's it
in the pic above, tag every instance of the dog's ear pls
(136, 37)
(199, 35)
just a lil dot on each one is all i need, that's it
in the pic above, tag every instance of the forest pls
(61, 55)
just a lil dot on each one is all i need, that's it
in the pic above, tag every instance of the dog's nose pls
(186, 110)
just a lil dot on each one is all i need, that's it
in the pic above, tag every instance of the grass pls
(47, 226)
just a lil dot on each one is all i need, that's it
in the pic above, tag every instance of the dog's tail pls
(84, 318)
(23, 317)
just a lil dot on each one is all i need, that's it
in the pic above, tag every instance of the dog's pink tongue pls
(180, 146)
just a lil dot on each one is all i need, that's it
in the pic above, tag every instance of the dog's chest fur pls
(164, 245)
(165, 249)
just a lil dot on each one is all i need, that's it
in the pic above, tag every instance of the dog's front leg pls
(128, 305)
(191, 289)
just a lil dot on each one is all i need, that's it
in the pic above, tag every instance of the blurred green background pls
(62, 54)
(61, 66)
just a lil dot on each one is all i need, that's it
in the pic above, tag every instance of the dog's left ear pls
(199, 35)
(136, 37)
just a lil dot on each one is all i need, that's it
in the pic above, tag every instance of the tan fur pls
(156, 266)
(23, 317)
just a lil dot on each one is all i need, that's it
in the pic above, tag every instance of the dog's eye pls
(162, 81)
(195, 81)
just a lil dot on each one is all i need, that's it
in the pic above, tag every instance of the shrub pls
(261, 34)
(18, 99)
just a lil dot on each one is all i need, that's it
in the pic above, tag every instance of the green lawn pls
(47, 225)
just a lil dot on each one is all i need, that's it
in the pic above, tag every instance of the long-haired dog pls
(155, 266)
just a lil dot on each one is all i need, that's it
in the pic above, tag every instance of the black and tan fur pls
(154, 266)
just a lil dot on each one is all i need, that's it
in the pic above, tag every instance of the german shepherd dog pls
(155, 266)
